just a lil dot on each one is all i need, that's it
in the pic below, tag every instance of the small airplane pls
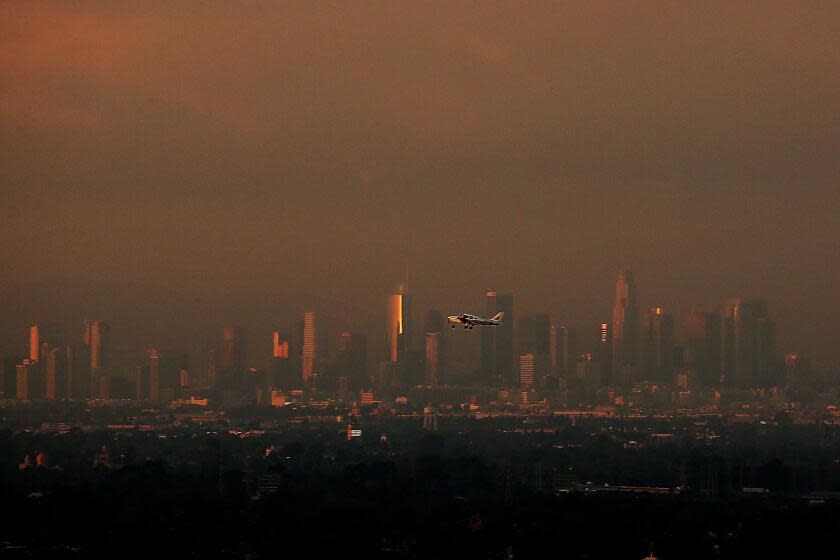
(470, 321)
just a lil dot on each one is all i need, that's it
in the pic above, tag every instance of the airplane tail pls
(498, 316)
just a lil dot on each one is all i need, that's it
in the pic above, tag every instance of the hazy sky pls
(171, 167)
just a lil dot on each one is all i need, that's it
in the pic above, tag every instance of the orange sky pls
(209, 162)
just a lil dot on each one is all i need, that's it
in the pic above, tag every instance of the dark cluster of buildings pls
(734, 347)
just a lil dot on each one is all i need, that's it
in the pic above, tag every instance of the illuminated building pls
(24, 372)
(625, 328)
(749, 343)
(504, 341)
(553, 342)
(398, 325)
(703, 346)
(433, 358)
(34, 343)
(282, 374)
(603, 353)
(658, 345)
(154, 375)
(280, 347)
(96, 340)
(40, 334)
(310, 350)
(526, 370)
(488, 340)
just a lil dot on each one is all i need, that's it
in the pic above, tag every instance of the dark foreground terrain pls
(472, 490)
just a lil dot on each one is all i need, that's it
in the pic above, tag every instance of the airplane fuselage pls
(470, 321)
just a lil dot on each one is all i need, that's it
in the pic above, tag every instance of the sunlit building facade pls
(398, 325)
(309, 369)
(625, 329)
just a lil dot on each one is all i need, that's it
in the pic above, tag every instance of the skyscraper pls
(796, 369)
(232, 350)
(749, 343)
(435, 348)
(282, 373)
(703, 345)
(526, 370)
(352, 359)
(40, 334)
(487, 359)
(24, 373)
(658, 345)
(432, 355)
(398, 325)
(96, 340)
(603, 354)
(52, 369)
(309, 369)
(542, 334)
(154, 375)
(625, 329)
(34, 342)
(567, 350)
(504, 341)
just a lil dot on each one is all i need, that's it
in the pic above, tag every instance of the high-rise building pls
(487, 359)
(796, 368)
(658, 345)
(432, 354)
(567, 351)
(703, 346)
(52, 369)
(603, 354)
(351, 361)
(542, 334)
(749, 343)
(282, 373)
(154, 375)
(398, 325)
(34, 342)
(310, 353)
(505, 355)
(232, 354)
(71, 390)
(212, 368)
(280, 346)
(625, 328)
(97, 339)
(526, 370)
(24, 372)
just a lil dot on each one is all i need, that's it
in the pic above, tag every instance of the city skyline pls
(740, 351)
(538, 149)
(249, 248)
